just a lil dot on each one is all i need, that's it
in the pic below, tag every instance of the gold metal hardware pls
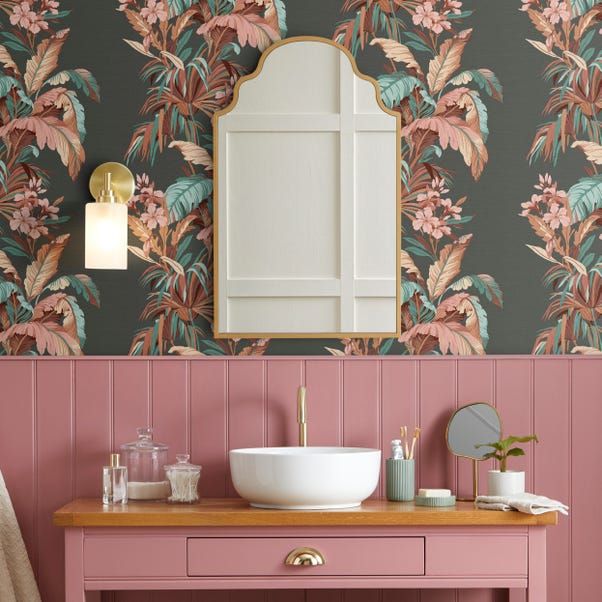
(112, 183)
(302, 416)
(305, 557)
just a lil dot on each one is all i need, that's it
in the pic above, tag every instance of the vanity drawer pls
(361, 556)
(139, 556)
(468, 556)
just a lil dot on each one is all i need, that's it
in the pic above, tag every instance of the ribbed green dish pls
(435, 502)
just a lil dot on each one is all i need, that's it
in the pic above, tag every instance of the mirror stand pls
(475, 483)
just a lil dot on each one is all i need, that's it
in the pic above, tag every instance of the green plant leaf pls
(515, 451)
(508, 441)
(186, 194)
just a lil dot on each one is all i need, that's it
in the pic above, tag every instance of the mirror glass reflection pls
(473, 424)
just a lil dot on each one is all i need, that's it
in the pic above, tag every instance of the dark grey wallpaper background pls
(498, 43)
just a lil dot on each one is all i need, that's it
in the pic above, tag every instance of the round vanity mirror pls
(469, 426)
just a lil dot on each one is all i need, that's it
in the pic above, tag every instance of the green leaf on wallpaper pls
(80, 117)
(278, 6)
(394, 87)
(82, 79)
(585, 197)
(580, 7)
(482, 114)
(7, 289)
(484, 283)
(186, 194)
(13, 42)
(409, 289)
(82, 284)
(481, 316)
(385, 346)
(177, 7)
(485, 79)
(7, 83)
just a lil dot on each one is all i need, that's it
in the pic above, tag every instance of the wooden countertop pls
(235, 512)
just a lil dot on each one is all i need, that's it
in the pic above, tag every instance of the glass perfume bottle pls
(114, 482)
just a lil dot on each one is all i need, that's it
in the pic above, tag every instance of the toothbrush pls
(404, 435)
(415, 438)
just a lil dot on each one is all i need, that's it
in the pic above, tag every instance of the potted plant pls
(504, 482)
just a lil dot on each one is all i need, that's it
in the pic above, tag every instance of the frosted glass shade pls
(106, 236)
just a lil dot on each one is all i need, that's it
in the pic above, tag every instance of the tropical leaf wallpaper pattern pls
(188, 56)
(40, 111)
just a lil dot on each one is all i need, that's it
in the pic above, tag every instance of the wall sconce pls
(112, 185)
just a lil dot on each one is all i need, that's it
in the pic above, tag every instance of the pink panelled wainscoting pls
(59, 419)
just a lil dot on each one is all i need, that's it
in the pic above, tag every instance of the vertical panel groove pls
(72, 447)
(188, 410)
(570, 551)
(34, 414)
(112, 405)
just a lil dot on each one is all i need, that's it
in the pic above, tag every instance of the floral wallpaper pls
(470, 283)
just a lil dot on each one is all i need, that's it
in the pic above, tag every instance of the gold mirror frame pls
(218, 334)
(475, 465)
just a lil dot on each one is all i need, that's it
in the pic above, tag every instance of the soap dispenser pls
(114, 482)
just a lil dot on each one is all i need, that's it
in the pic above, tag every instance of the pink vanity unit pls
(225, 544)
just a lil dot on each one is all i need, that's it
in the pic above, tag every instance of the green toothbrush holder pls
(401, 486)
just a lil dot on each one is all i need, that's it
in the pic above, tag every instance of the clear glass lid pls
(183, 464)
(144, 443)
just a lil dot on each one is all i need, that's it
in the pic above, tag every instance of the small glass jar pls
(144, 460)
(184, 480)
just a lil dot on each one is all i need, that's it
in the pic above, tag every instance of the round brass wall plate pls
(122, 181)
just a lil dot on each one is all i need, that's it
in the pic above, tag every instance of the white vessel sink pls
(305, 478)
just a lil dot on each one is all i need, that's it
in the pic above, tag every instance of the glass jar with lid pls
(184, 480)
(145, 460)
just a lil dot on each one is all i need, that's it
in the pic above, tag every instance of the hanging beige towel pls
(17, 583)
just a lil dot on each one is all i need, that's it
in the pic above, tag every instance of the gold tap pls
(302, 416)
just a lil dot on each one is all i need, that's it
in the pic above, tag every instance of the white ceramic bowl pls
(305, 478)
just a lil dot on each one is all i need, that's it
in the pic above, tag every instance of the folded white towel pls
(17, 583)
(528, 503)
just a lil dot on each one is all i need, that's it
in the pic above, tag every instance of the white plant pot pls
(505, 483)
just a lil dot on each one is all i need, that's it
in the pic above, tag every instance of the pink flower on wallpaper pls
(38, 230)
(556, 12)
(146, 192)
(556, 216)
(49, 6)
(546, 184)
(455, 6)
(124, 4)
(25, 17)
(427, 17)
(450, 209)
(154, 216)
(531, 205)
(154, 11)
(425, 220)
(526, 4)
(22, 220)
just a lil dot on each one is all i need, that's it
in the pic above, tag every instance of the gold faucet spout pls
(302, 416)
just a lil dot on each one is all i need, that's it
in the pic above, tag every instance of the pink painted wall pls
(59, 418)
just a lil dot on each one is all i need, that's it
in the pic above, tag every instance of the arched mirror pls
(469, 426)
(307, 200)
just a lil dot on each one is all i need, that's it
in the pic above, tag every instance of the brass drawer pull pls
(304, 557)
